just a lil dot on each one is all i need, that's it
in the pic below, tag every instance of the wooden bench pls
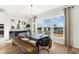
(25, 46)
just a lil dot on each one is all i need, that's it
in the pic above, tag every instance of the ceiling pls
(26, 9)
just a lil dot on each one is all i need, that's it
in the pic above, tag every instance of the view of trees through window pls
(51, 25)
(58, 26)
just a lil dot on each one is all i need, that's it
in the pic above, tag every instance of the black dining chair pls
(44, 44)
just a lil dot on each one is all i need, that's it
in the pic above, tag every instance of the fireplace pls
(1, 30)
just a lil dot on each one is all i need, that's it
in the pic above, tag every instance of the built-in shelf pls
(15, 32)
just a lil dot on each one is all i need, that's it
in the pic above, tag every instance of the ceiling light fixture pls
(30, 12)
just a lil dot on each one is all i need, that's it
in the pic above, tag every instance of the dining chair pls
(44, 44)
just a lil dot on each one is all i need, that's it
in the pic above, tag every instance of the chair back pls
(45, 42)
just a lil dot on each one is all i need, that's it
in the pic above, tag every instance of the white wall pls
(75, 26)
(6, 20)
(3, 20)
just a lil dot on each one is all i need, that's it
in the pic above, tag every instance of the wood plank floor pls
(8, 48)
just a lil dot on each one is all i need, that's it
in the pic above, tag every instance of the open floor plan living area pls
(39, 29)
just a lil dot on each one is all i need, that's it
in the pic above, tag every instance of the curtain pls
(68, 20)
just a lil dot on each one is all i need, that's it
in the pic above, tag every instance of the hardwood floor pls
(8, 48)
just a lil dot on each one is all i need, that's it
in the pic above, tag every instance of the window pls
(39, 30)
(58, 26)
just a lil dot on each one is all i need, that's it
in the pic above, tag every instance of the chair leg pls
(38, 49)
(44, 49)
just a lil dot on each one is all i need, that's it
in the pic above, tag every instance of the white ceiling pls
(26, 9)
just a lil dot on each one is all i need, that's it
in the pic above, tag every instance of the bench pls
(25, 46)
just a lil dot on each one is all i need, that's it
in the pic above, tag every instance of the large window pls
(51, 26)
(44, 26)
(58, 26)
